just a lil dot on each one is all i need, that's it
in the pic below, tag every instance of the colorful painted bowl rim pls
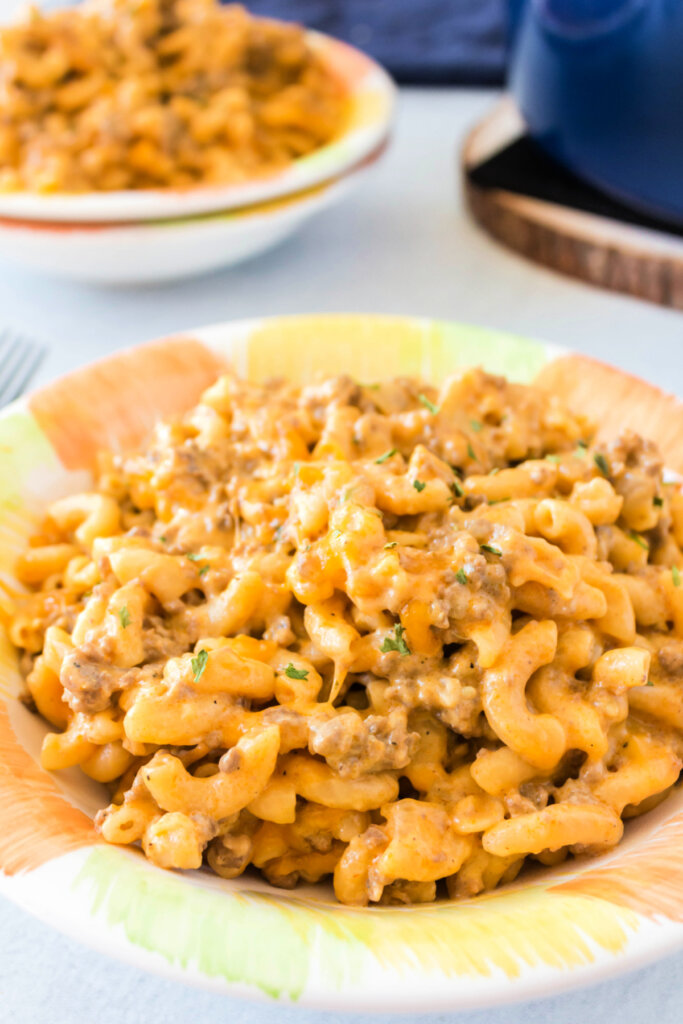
(552, 930)
(371, 101)
(271, 209)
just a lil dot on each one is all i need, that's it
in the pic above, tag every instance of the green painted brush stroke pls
(280, 944)
(24, 448)
(509, 355)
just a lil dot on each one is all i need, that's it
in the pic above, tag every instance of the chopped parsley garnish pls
(676, 576)
(497, 501)
(649, 683)
(639, 540)
(346, 493)
(456, 487)
(199, 664)
(387, 455)
(419, 485)
(395, 642)
(124, 616)
(163, 538)
(470, 452)
(391, 544)
(476, 425)
(658, 501)
(490, 548)
(427, 404)
(296, 673)
(192, 557)
(461, 576)
(601, 462)
(204, 569)
(295, 468)
(496, 469)
(553, 458)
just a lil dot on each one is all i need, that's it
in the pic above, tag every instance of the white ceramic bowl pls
(371, 95)
(145, 252)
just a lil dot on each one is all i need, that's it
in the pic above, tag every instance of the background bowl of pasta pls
(440, 802)
(116, 112)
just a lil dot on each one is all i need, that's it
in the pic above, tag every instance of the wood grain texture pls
(609, 254)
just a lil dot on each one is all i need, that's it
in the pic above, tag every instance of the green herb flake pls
(658, 501)
(553, 458)
(419, 485)
(199, 664)
(470, 452)
(395, 642)
(640, 541)
(295, 468)
(494, 471)
(163, 538)
(582, 444)
(124, 617)
(427, 404)
(192, 557)
(457, 489)
(204, 569)
(391, 544)
(649, 683)
(476, 425)
(386, 456)
(497, 501)
(461, 576)
(601, 462)
(676, 576)
(490, 548)
(296, 673)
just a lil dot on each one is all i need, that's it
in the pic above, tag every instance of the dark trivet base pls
(533, 205)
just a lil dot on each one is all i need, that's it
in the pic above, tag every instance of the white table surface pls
(402, 244)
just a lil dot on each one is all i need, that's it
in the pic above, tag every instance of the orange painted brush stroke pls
(350, 65)
(617, 401)
(648, 879)
(38, 824)
(114, 403)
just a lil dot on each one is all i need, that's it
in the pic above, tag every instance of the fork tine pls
(4, 346)
(12, 355)
(19, 360)
(35, 356)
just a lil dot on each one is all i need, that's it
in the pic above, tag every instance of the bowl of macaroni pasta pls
(114, 110)
(342, 662)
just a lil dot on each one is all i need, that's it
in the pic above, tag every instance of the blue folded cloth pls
(429, 41)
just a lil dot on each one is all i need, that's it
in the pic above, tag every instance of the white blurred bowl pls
(371, 94)
(155, 251)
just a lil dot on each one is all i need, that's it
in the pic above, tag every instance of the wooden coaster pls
(574, 228)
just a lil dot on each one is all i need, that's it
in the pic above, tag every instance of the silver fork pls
(20, 357)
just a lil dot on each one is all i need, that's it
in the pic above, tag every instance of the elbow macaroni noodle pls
(131, 94)
(391, 635)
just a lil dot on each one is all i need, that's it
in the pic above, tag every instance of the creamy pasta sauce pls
(404, 637)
